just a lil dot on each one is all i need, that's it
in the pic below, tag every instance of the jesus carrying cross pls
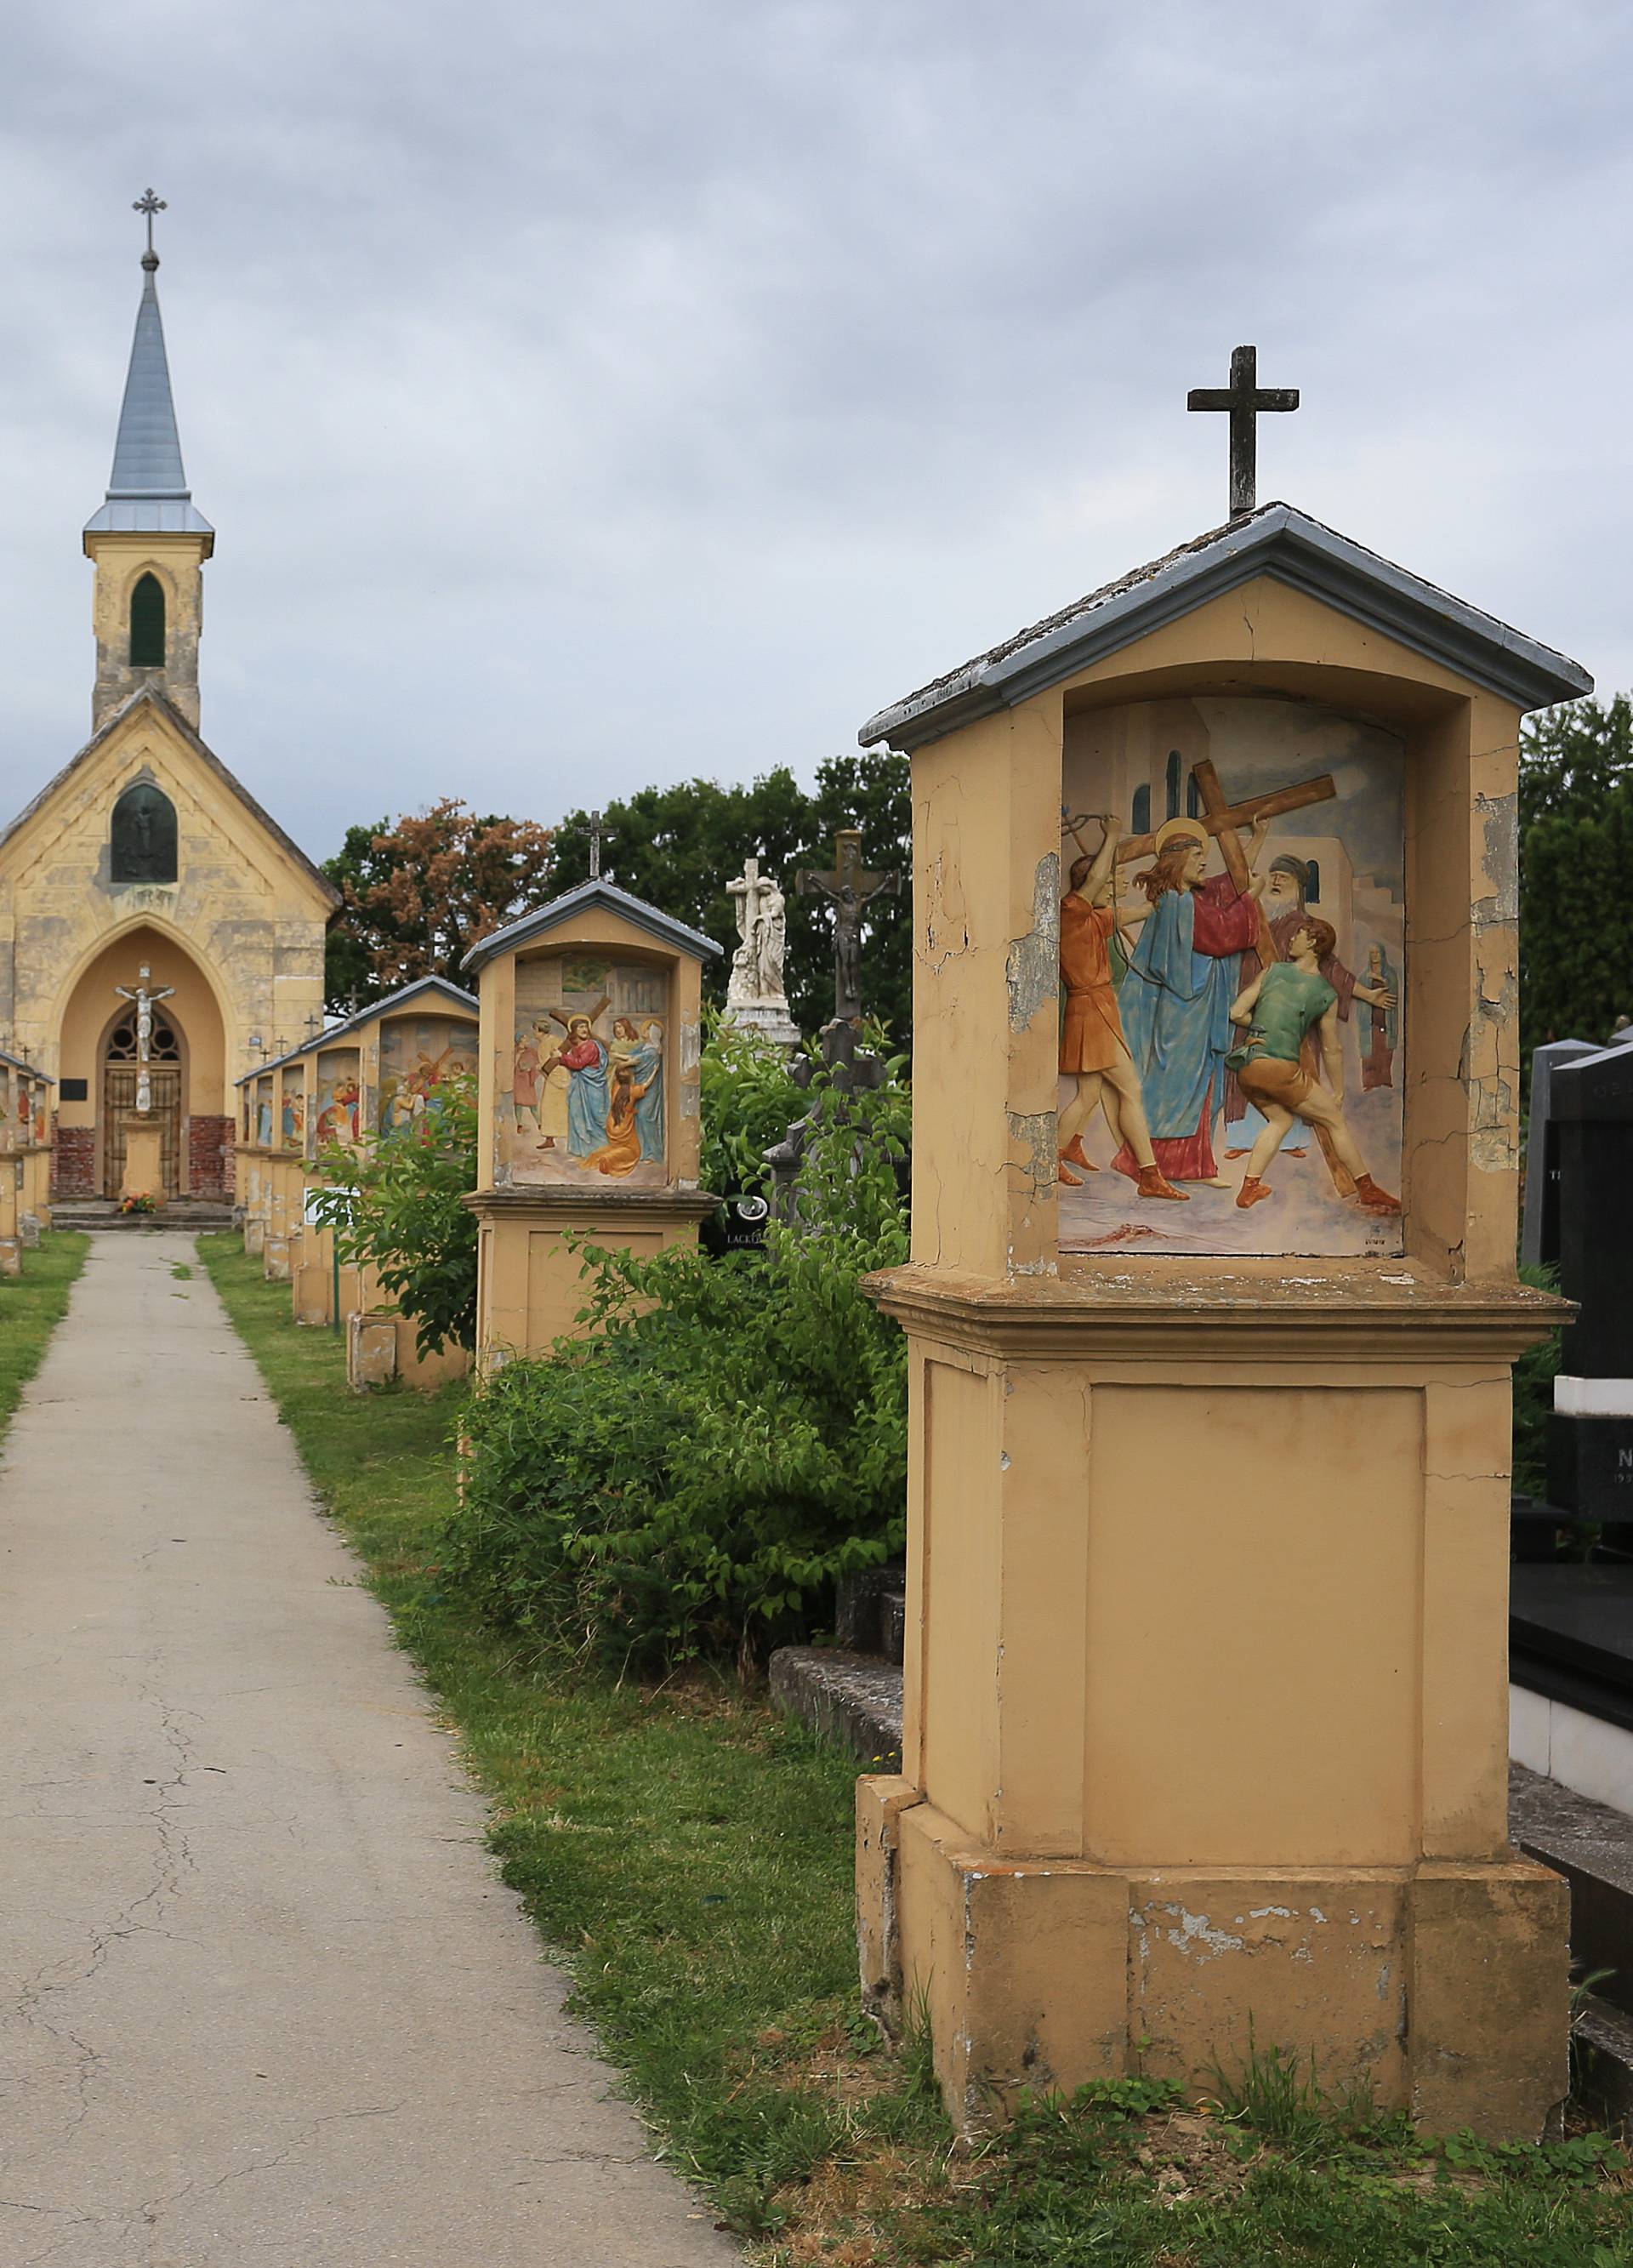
(1184, 972)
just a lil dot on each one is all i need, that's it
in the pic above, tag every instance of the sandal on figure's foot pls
(1252, 1192)
(1372, 1199)
(1153, 1182)
(1073, 1155)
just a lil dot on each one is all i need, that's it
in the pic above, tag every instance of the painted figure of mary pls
(1175, 998)
(647, 1060)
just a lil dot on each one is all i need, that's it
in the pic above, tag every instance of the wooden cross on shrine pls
(1246, 399)
(850, 888)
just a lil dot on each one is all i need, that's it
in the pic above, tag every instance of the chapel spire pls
(148, 540)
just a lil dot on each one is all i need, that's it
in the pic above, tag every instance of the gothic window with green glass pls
(147, 624)
(144, 848)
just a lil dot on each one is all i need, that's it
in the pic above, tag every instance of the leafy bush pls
(749, 1098)
(399, 1208)
(691, 1479)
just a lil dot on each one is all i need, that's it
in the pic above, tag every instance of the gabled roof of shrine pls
(18, 1064)
(444, 991)
(151, 696)
(601, 892)
(1278, 540)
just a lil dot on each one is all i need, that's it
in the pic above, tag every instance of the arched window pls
(143, 845)
(147, 624)
(163, 1047)
(1140, 821)
(1176, 765)
(1193, 799)
(1313, 882)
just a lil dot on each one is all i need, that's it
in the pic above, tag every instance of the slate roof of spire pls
(1277, 540)
(148, 492)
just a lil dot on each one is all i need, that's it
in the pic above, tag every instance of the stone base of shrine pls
(529, 1285)
(1442, 1986)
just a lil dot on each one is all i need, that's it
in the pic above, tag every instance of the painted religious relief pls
(263, 1113)
(339, 1098)
(417, 1053)
(292, 1120)
(42, 1116)
(586, 1101)
(1232, 952)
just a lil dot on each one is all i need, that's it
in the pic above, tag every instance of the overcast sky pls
(591, 395)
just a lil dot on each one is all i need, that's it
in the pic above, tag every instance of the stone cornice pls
(593, 1209)
(1282, 1310)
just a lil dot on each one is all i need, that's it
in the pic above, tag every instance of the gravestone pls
(1539, 1242)
(1211, 1316)
(1589, 1438)
(755, 997)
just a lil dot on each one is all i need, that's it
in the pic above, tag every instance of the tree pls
(679, 847)
(1576, 872)
(419, 895)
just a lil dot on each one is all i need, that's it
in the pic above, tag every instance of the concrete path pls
(262, 1999)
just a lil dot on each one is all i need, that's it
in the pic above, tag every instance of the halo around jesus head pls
(1172, 830)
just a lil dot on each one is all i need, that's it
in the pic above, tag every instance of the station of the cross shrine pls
(1211, 1311)
(145, 851)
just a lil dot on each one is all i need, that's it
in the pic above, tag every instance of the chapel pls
(145, 853)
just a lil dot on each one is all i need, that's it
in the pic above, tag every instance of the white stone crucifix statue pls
(144, 998)
(754, 996)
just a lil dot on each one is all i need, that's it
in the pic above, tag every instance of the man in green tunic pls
(1283, 1002)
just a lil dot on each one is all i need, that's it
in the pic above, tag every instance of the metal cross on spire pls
(1245, 399)
(147, 205)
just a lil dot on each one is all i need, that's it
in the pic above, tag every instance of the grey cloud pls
(586, 397)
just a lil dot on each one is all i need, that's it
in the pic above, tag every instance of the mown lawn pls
(685, 1854)
(32, 1306)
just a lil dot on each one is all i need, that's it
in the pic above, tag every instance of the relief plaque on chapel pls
(1233, 929)
(143, 837)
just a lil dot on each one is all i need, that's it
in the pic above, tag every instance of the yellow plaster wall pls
(194, 1010)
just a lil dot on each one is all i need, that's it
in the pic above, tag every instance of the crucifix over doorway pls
(144, 998)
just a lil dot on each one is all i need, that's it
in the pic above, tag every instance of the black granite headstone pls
(1590, 1457)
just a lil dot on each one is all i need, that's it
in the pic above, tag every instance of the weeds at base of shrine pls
(685, 1853)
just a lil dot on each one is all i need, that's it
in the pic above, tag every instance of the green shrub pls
(400, 1208)
(1534, 1372)
(692, 1479)
(749, 1098)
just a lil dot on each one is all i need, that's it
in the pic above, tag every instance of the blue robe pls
(587, 1104)
(1175, 1005)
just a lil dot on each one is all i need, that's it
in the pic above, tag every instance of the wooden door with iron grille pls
(119, 1096)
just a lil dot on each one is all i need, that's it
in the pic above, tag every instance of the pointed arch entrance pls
(98, 1068)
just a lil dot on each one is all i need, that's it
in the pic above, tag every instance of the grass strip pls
(32, 1306)
(685, 1853)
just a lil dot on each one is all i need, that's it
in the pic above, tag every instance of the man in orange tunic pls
(1092, 1049)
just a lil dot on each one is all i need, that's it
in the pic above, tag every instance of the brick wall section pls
(73, 1162)
(210, 1157)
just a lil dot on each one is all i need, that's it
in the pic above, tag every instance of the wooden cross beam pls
(1220, 819)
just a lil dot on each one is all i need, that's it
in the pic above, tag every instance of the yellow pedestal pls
(145, 1173)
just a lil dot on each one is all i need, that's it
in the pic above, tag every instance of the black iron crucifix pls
(1244, 398)
(850, 889)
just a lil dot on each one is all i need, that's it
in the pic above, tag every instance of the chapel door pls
(119, 1097)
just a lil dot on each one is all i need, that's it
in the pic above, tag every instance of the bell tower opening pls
(147, 622)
